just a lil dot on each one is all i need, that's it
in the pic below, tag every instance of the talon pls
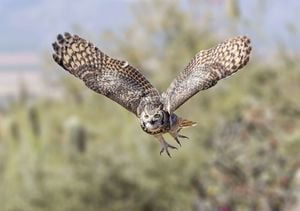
(169, 145)
(177, 140)
(161, 151)
(168, 150)
(182, 136)
(176, 136)
(165, 147)
(169, 154)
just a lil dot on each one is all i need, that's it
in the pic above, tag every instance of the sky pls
(31, 25)
(28, 27)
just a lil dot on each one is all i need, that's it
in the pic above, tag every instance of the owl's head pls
(154, 121)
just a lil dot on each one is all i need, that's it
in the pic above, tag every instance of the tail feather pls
(184, 123)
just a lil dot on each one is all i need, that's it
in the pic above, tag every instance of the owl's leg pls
(177, 124)
(164, 145)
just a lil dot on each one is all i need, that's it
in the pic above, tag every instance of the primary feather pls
(113, 78)
(205, 69)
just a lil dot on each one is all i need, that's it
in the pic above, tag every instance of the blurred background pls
(63, 147)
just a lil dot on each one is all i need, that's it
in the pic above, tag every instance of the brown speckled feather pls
(206, 69)
(110, 77)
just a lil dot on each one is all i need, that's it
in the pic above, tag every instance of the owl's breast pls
(154, 131)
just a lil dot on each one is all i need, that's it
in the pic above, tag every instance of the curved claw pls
(182, 136)
(164, 147)
(176, 136)
(177, 140)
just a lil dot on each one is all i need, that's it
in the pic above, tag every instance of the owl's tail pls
(184, 123)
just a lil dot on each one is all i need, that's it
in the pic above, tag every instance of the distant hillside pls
(19, 70)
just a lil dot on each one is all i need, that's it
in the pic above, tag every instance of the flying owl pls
(124, 84)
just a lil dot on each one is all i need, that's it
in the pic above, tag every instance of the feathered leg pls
(180, 123)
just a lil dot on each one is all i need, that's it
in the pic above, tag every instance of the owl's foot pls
(165, 146)
(176, 135)
(177, 125)
(179, 136)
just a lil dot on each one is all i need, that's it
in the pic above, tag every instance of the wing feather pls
(205, 69)
(113, 78)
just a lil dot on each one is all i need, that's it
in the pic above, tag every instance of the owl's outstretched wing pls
(113, 78)
(206, 69)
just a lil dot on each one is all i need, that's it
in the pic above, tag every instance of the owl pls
(124, 84)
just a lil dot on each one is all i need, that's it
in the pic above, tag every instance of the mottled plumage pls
(113, 78)
(124, 84)
(206, 69)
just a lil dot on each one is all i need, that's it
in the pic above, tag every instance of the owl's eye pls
(146, 116)
(157, 116)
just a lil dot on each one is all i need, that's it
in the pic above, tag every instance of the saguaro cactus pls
(34, 120)
(76, 134)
